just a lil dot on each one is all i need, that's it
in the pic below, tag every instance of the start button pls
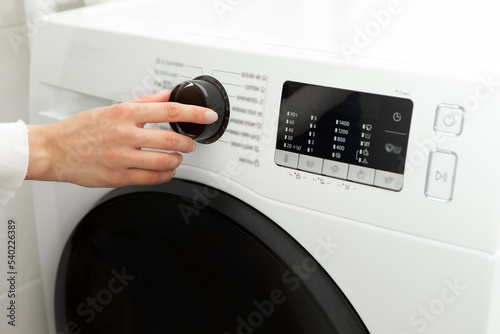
(441, 175)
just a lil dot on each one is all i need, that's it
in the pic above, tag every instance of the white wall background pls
(14, 75)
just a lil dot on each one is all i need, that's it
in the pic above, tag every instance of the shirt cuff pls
(14, 157)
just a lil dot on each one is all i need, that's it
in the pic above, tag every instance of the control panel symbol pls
(449, 120)
(320, 180)
(335, 169)
(441, 176)
(397, 116)
(361, 175)
(388, 180)
(366, 135)
(391, 148)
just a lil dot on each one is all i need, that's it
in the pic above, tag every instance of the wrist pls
(39, 163)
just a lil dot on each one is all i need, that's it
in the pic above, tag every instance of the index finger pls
(173, 112)
(157, 97)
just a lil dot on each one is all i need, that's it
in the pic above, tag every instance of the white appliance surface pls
(407, 262)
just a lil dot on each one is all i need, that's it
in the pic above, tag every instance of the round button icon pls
(397, 117)
(449, 120)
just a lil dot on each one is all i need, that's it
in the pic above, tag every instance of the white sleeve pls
(14, 155)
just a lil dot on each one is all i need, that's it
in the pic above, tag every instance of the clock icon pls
(397, 117)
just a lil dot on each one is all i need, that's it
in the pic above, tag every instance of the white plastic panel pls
(57, 103)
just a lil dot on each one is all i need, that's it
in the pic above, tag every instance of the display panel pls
(342, 133)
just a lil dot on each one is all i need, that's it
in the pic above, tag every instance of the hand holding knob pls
(204, 91)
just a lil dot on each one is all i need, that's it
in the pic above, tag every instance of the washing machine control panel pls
(345, 134)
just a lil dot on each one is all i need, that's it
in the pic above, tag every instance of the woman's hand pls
(103, 147)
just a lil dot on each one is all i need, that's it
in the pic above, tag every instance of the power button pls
(449, 119)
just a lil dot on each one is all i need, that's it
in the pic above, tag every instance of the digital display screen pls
(351, 127)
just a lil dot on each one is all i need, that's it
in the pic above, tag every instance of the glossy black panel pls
(352, 127)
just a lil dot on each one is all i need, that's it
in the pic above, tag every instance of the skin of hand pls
(109, 147)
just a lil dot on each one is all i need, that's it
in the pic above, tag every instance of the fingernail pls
(211, 116)
(194, 147)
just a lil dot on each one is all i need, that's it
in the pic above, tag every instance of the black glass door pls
(185, 258)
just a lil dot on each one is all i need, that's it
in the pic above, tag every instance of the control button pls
(388, 180)
(361, 174)
(204, 91)
(449, 119)
(286, 159)
(335, 169)
(310, 164)
(441, 175)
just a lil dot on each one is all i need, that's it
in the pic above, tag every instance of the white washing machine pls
(354, 190)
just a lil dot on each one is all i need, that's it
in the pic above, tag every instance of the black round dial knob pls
(204, 91)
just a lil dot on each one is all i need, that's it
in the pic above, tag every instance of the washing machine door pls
(185, 258)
